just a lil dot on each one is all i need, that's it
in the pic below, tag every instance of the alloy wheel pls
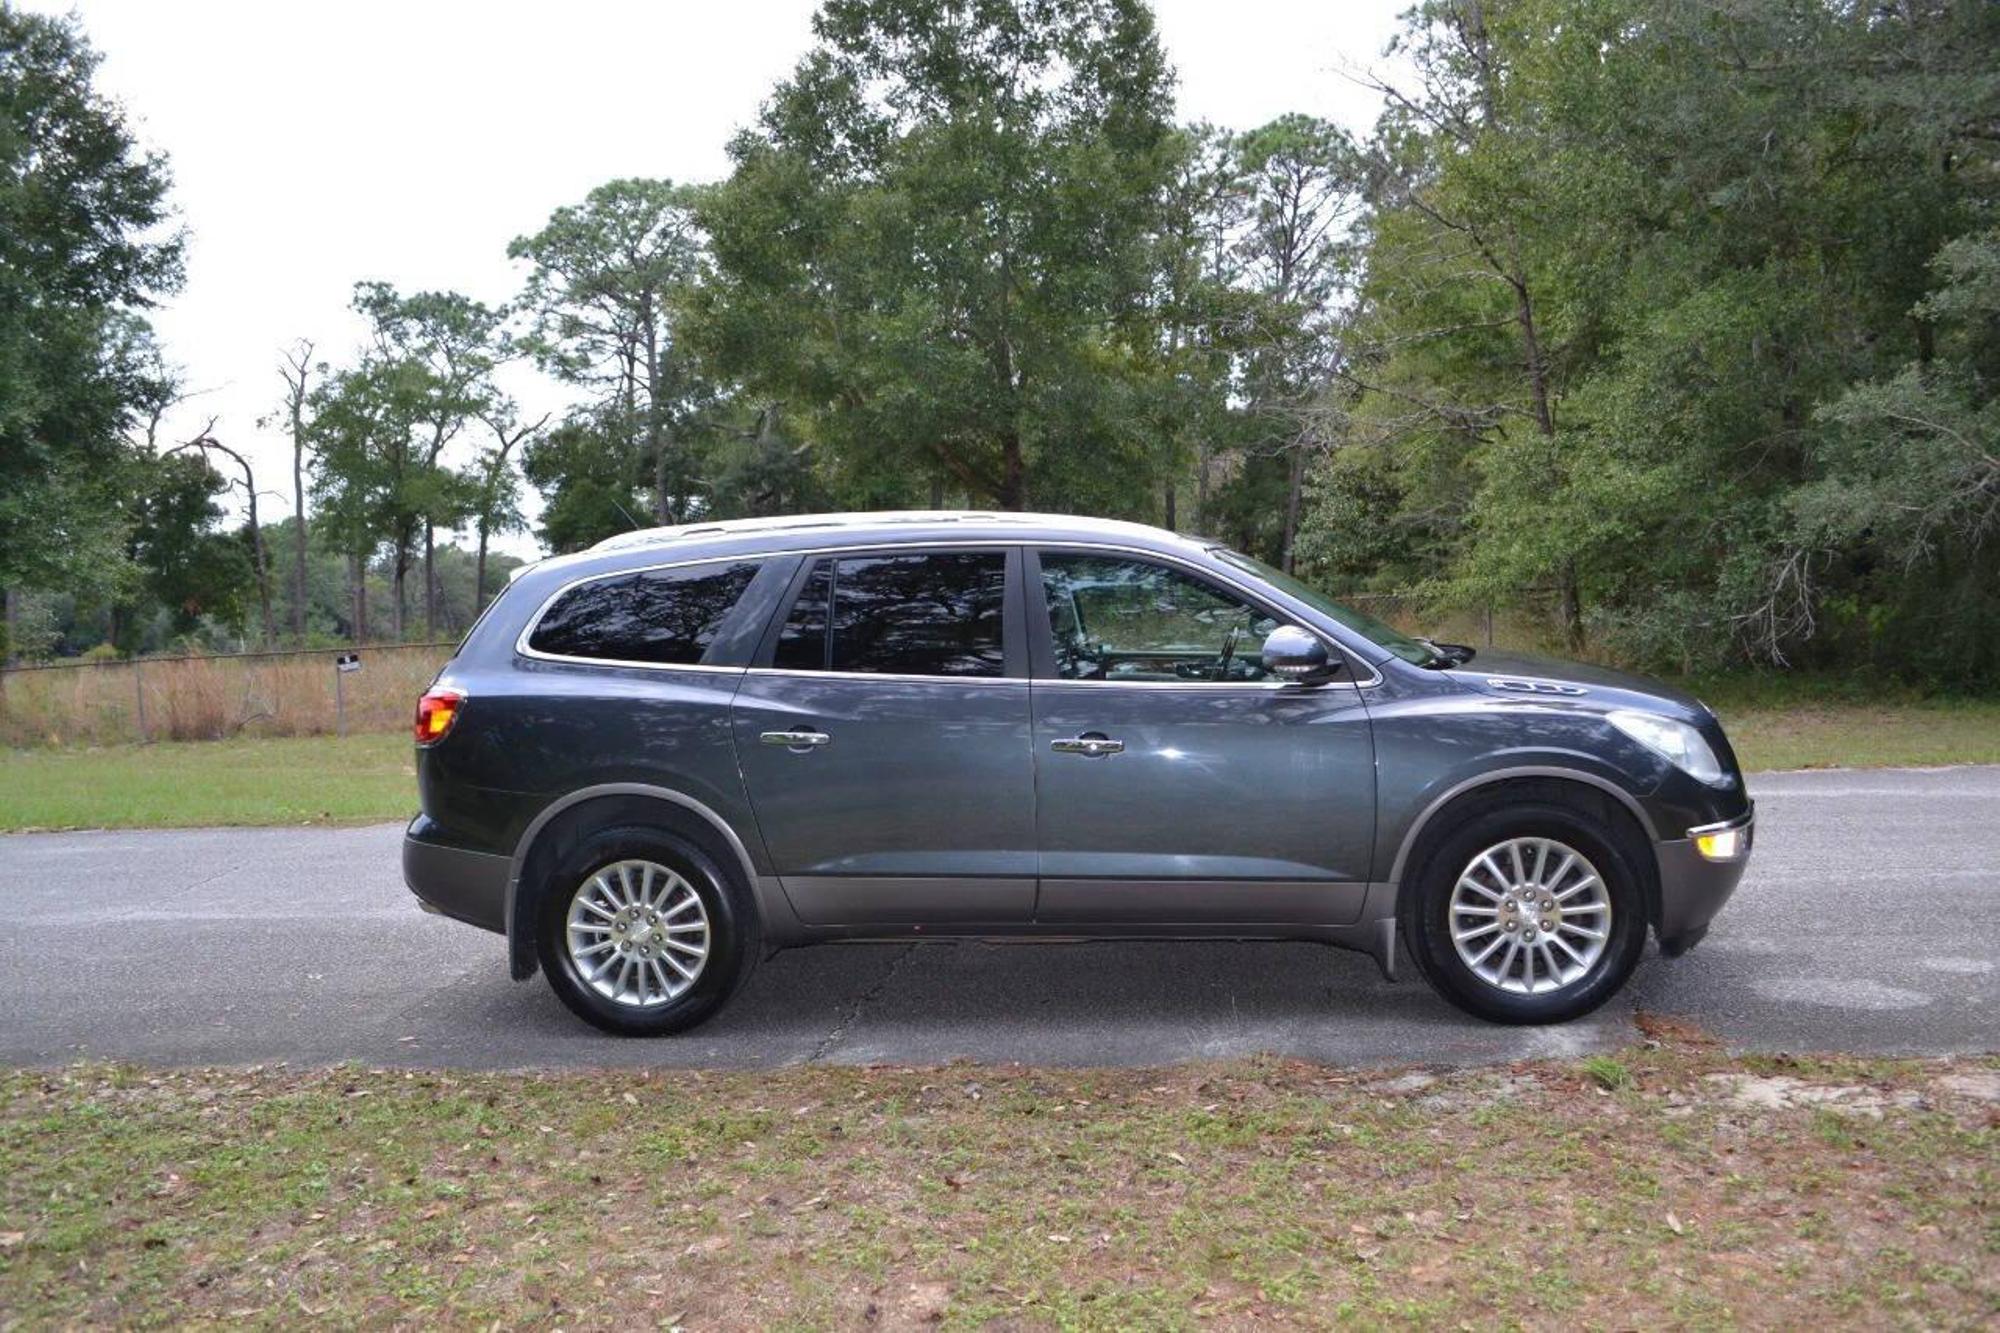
(1530, 916)
(638, 933)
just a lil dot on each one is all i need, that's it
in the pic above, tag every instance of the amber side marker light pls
(436, 711)
(1721, 845)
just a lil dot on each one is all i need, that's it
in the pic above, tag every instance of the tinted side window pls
(908, 615)
(1117, 619)
(667, 616)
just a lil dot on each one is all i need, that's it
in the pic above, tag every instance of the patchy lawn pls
(179, 784)
(1667, 1185)
(1859, 735)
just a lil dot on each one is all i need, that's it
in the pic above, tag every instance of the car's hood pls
(1514, 675)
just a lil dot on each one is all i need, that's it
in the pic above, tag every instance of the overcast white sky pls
(315, 146)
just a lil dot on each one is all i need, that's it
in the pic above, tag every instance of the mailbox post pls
(342, 664)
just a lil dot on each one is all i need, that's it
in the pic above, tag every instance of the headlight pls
(1678, 741)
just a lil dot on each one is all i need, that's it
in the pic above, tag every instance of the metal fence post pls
(339, 699)
(139, 697)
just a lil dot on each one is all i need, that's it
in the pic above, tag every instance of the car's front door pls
(883, 738)
(1176, 784)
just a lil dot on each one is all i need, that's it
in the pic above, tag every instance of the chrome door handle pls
(800, 739)
(1091, 745)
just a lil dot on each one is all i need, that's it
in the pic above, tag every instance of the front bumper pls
(1694, 888)
(465, 885)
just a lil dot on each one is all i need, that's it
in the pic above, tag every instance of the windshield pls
(1397, 642)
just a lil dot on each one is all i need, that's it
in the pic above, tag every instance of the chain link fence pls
(301, 693)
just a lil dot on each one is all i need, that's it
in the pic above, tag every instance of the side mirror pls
(1290, 653)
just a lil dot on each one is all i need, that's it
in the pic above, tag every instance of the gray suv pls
(654, 762)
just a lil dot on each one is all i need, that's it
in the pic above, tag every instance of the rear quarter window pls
(665, 617)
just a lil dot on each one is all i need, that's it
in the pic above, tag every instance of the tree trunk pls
(298, 361)
(1572, 607)
(1295, 486)
(1172, 509)
(430, 582)
(663, 513)
(1201, 461)
(937, 492)
(399, 611)
(357, 574)
(479, 573)
(299, 555)
(1013, 494)
(13, 645)
(263, 567)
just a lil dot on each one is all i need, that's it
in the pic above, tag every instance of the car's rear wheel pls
(1527, 914)
(642, 934)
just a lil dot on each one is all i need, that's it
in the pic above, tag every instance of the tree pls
(84, 245)
(497, 506)
(297, 369)
(1304, 182)
(586, 480)
(607, 278)
(204, 444)
(385, 424)
(933, 247)
(1625, 264)
(188, 567)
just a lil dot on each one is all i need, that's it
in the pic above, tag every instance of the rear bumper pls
(462, 884)
(1694, 888)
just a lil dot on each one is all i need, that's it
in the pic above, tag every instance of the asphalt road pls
(1869, 921)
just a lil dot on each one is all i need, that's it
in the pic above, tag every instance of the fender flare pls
(1487, 779)
(548, 813)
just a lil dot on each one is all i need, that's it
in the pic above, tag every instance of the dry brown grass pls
(210, 698)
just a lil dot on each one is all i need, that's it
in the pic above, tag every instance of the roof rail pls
(795, 522)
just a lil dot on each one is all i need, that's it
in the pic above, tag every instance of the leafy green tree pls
(1303, 180)
(1624, 263)
(934, 245)
(384, 425)
(604, 292)
(83, 245)
(190, 567)
(589, 491)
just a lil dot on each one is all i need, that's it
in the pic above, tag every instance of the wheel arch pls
(1586, 792)
(671, 811)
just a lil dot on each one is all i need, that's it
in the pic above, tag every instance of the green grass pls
(303, 780)
(320, 779)
(1802, 734)
(1265, 1192)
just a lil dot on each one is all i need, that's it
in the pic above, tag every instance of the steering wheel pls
(1228, 651)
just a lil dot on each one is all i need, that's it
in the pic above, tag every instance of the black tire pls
(733, 935)
(1426, 903)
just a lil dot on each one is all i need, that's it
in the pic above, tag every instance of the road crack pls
(861, 1001)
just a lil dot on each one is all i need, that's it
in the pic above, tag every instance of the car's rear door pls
(1176, 783)
(883, 734)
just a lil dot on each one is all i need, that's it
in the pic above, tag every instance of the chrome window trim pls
(944, 543)
(886, 675)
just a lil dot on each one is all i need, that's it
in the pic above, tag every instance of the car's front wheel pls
(642, 934)
(1527, 914)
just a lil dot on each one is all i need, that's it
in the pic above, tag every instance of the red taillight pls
(436, 711)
